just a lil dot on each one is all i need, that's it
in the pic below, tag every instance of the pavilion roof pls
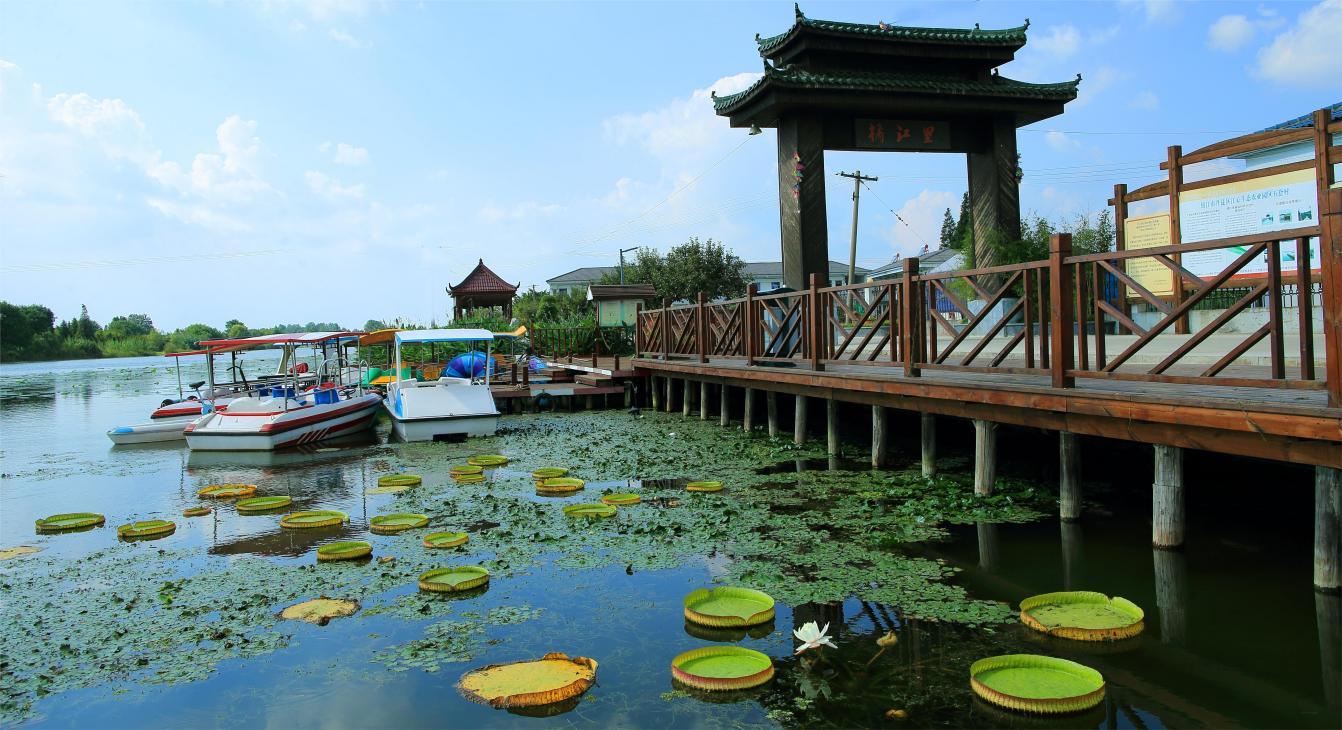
(795, 77)
(1013, 38)
(482, 280)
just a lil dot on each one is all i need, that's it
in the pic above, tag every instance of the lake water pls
(182, 631)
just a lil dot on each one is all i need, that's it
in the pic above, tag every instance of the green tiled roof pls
(996, 86)
(964, 36)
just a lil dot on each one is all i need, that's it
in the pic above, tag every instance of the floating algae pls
(21, 550)
(320, 611)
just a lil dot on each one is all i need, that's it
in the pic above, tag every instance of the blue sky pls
(346, 159)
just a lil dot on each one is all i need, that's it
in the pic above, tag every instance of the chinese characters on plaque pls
(902, 134)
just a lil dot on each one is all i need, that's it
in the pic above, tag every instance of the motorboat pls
(456, 404)
(172, 415)
(293, 409)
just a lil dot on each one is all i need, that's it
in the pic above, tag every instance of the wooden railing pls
(1048, 317)
(585, 341)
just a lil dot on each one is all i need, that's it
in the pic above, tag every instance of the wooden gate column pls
(994, 194)
(801, 200)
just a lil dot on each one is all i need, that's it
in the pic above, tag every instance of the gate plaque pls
(902, 134)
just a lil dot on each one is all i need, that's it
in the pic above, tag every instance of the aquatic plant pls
(812, 636)
(553, 678)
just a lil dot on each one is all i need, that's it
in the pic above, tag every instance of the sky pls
(345, 160)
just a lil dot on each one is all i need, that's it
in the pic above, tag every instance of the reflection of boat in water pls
(458, 403)
(352, 446)
(286, 413)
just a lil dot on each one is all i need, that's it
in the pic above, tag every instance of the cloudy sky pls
(346, 159)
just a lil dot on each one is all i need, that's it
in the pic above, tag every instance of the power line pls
(896, 215)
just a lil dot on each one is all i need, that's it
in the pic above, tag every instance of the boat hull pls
(447, 407)
(428, 429)
(161, 430)
(236, 430)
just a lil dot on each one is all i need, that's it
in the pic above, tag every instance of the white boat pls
(161, 429)
(284, 412)
(455, 405)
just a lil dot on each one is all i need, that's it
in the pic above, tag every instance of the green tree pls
(947, 229)
(131, 325)
(686, 270)
(236, 329)
(964, 226)
(373, 325)
(20, 330)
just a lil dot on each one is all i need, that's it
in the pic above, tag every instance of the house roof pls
(927, 263)
(605, 292)
(1305, 120)
(482, 281)
(939, 84)
(763, 269)
(584, 274)
(1012, 37)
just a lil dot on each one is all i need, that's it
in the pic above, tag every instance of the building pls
(942, 259)
(482, 289)
(766, 275)
(617, 304)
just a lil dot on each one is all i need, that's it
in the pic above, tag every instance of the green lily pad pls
(560, 485)
(196, 511)
(227, 491)
(398, 522)
(445, 539)
(399, 480)
(317, 518)
(722, 668)
(70, 521)
(621, 498)
(146, 528)
(347, 550)
(487, 460)
(459, 578)
(465, 469)
(589, 510)
(261, 504)
(729, 606)
(1082, 615)
(704, 487)
(468, 478)
(1034, 683)
(549, 472)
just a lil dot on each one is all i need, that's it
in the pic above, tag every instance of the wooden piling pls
(929, 439)
(670, 394)
(1327, 529)
(655, 388)
(748, 411)
(1167, 498)
(703, 400)
(771, 401)
(1069, 477)
(832, 426)
(724, 405)
(799, 420)
(877, 436)
(985, 457)
(686, 397)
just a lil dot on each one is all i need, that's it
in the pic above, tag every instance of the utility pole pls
(635, 248)
(858, 178)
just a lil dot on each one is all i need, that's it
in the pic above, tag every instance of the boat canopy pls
(284, 338)
(444, 335)
(522, 330)
(379, 337)
(185, 354)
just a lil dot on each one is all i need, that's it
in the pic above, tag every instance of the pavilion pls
(482, 289)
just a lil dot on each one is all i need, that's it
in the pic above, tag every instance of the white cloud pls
(521, 211)
(197, 215)
(923, 216)
(110, 123)
(348, 154)
(684, 125)
(329, 188)
(1061, 142)
(1146, 100)
(1306, 54)
(341, 36)
(1060, 40)
(1230, 33)
(1093, 84)
(1104, 35)
(8, 65)
(1156, 11)
(321, 10)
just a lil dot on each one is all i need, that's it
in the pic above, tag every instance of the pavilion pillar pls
(994, 194)
(1327, 528)
(655, 389)
(1069, 477)
(670, 394)
(799, 420)
(685, 399)
(1167, 498)
(801, 202)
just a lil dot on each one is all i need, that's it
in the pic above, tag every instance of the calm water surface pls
(1235, 636)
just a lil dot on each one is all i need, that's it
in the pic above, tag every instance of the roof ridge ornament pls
(796, 7)
(1027, 24)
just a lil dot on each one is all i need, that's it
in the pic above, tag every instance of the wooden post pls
(1176, 171)
(771, 401)
(1327, 528)
(1274, 318)
(700, 328)
(1120, 203)
(748, 413)
(1069, 477)
(1167, 498)
(638, 333)
(670, 395)
(929, 439)
(656, 389)
(748, 323)
(1171, 595)
(799, 416)
(666, 329)
(832, 426)
(686, 396)
(877, 436)
(1060, 309)
(985, 457)
(817, 329)
(703, 400)
(912, 319)
(1330, 260)
(724, 405)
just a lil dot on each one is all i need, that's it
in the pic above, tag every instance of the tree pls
(947, 229)
(373, 325)
(20, 329)
(688, 269)
(131, 325)
(964, 227)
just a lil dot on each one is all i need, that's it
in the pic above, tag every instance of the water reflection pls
(987, 534)
(1171, 575)
(1071, 555)
(1328, 616)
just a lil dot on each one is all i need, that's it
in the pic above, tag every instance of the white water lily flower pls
(812, 637)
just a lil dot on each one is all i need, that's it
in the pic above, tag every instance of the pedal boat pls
(458, 404)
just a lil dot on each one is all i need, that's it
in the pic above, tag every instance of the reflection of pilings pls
(1327, 528)
(1171, 595)
(1069, 477)
(987, 545)
(1328, 615)
(1071, 555)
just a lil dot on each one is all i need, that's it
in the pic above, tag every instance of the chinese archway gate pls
(847, 86)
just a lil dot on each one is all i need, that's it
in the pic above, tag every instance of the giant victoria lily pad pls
(262, 504)
(1082, 615)
(1034, 683)
(445, 539)
(553, 678)
(146, 529)
(399, 480)
(722, 668)
(704, 487)
(318, 518)
(589, 510)
(70, 521)
(487, 460)
(548, 472)
(459, 578)
(559, 485)
(227, 491)
(346, 550)
(621, 499)
(729, 606)
(399, 522)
